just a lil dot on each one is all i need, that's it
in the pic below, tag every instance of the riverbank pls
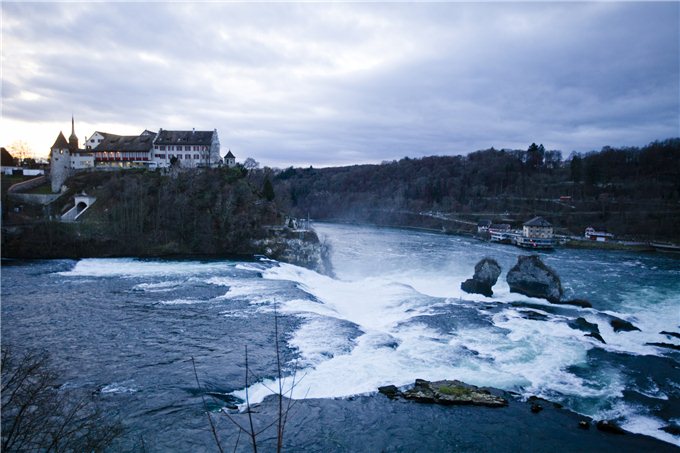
(636, 247)
(610, 245)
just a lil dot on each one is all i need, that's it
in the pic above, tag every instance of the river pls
(393, 312)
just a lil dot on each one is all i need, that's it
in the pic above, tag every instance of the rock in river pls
(486, 275)
(582, 324)
(531, 277)
(452, 392)
(620, 325)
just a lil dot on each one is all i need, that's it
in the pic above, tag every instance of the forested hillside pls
(209, 212)
(633, 192)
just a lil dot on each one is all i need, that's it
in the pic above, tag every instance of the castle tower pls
(73, 139)
(60, 162)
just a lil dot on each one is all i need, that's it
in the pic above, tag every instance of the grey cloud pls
(345, 83)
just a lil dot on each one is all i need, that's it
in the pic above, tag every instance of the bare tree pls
(21, 150)
(250, 164)
(38, 415)
(282, 394)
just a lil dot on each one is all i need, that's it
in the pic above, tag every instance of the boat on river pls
(665, 247)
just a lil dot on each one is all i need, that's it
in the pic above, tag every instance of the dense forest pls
(146, 213)
(632, 192)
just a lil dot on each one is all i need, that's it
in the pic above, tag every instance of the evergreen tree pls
(268, 190)
(576, 167)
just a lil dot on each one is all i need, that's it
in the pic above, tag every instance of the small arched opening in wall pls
(81, 206)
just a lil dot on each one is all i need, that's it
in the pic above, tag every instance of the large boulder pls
(486, 275)
(531, 277)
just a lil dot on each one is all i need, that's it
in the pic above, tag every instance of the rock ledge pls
(447, 393)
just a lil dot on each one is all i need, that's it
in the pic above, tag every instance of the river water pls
(393, 312)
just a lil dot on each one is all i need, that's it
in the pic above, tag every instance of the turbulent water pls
(393, 312)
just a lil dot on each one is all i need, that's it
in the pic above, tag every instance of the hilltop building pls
(95, 139)
(123, 151)
(66, 157)
(230, 159)
(188, 149)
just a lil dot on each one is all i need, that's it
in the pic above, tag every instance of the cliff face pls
(302, 248)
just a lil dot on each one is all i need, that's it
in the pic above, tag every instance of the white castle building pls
(188, 149)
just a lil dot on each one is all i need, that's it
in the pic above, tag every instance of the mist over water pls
(392, 313)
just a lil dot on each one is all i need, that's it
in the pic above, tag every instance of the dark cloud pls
(327, 84)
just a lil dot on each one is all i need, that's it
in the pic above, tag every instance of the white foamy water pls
(388, 297)
(513, 353)
(159, 287)
(130, 267)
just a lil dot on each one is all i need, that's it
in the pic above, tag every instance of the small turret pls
(73, 139)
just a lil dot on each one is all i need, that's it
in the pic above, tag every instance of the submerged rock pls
(670, 334)
(576, 302)
(486, 275)
(671, 429)
(585, 326)
(675, 347)
(452, 392)
(533, 315)
(610, 426)
(531, 277)
(619, 325)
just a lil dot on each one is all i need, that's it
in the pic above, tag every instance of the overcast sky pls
(333, 84)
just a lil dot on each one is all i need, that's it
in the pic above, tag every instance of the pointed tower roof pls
(60, 142)
(73, 139)
(230, 155)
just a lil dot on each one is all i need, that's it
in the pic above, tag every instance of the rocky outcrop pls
(302, 248)
(486, 275)
(390, 391)
(446, 393)
(592, 329)
(531, 277)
